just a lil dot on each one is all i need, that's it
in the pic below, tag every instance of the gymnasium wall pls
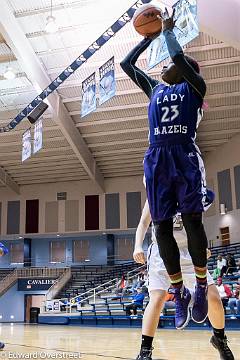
(12, 304)
(223, 174)
(118, 209)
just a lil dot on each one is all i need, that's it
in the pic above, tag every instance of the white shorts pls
(158, 278)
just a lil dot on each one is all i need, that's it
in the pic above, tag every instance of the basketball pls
(146, 20)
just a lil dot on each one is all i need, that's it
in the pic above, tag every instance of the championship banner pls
(89, 102)
(26, 145)
(38, 139)
(186, 29)
(107, 83)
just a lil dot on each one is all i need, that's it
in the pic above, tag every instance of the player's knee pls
(157, 297)
(213, 296)
(163, 230)
(195, 230)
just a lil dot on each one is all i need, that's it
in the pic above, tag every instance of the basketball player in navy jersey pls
(174, 170)
(3, 251)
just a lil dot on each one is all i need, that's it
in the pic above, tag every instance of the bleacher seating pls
(88, 277)
(223, 250)
(4, 273)
(110, 309)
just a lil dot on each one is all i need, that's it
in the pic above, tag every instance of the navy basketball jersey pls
(174, 114)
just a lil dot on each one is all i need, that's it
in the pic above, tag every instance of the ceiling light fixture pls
(51, 25)
(9, 73)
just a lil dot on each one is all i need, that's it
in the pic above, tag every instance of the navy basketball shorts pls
(175, 181)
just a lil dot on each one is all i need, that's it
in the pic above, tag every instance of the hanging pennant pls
(186, 29)
(89, 102)
(38, 139)
(26, 145)
(107, 83)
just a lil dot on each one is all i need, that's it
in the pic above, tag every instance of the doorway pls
(32, 301)
(225, 235)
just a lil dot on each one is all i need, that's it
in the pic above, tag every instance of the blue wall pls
(12, 303)
(41, 250)
(97, 251)
(5, 260)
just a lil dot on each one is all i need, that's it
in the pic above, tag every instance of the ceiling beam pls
(144, 105)
(202, 134)
(6, 180)
(115, 132)
(120, 151)
(139, 91)
(112, 121)
(23, 51)
(132, 42)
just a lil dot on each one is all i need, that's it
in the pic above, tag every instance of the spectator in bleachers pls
(120, 285)
(128, 289)
(231, 264)
(235, 300)
(140, 279)
(224, 292)
(221, 267)
(137, 302)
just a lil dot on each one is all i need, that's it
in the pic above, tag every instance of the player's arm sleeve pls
(177, 56)
(140, 78)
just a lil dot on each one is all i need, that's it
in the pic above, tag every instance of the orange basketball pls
(147, 21)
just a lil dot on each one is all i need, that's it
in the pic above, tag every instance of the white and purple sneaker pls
(183, 303)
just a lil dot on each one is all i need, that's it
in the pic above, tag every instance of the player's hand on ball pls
(1, 252)
(168, 23)
(138, 255)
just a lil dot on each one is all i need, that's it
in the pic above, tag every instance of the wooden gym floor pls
(106, 343)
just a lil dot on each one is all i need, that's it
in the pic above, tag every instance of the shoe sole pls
(200, 322)
(188, 318)
(215, 347)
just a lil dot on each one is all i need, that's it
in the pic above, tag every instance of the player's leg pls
(128, 309)
(215, 308)
(168, 246)
(193, 199)
(2, 345)
(150, 322)
(159, 170)
(158, 284)
(197, 245)
(217, 319)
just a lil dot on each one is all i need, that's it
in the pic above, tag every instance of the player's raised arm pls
(140, 78)
(177, 56)
(142, 228)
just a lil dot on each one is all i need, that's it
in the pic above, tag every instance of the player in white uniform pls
(159, 283)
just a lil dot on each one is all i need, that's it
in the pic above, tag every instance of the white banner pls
(89, 102)
(26, 145)
(186, 29)
(107, 84)
(38, 139)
